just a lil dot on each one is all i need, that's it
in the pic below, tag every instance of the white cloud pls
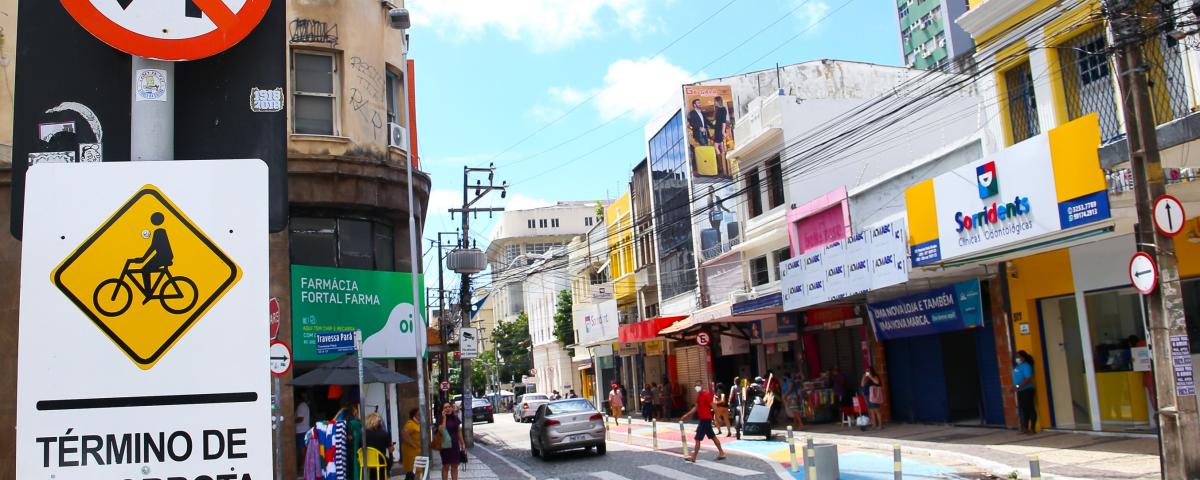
(544, 113)
(641, 85)
(545, 24)
(442, 200)
(518, 201)
(812, 12)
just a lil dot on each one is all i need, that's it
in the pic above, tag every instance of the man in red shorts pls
(704, 413)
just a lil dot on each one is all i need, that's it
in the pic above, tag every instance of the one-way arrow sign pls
(1168, 215)
(1143, 274)
(281, 358)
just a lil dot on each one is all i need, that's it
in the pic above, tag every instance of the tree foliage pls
(513, 343)
(564, 324)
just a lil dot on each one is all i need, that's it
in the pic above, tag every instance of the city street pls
(636, 459)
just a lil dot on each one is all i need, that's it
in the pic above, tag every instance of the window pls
(508, 254)
(930, 45)
(587, 221)
(668, 180)
(911, 57)
(652, 310)
(754, 192)
(906, 37)
(1022, 103)
(1087, 81)
(343, 243)
(775, 182)
(314, 82)
(903, 11)
(940, 37)
(926, 20)
(532, 223)
(393, 92)
(542, 223)
(554, 222)
(781, 256)
(935, 14)
(760, 273)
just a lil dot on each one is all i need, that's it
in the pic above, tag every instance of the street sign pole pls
(362, 394)
(277, 416)
(152, 120)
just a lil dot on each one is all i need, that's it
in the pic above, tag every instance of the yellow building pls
(619, 220)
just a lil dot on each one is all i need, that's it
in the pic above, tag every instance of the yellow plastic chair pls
(375, 461)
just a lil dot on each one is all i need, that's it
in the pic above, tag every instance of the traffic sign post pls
(110, 320)
(703, 339)
(281, 363)
(1169, 217)
(1143, 273)
(445, 386)
(281, 359)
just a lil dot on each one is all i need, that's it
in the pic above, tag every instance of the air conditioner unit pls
(397, 136)
(737, 297)
(942, 42)
(910, 64)
(926, 54)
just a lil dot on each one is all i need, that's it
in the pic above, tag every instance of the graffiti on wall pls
(314, 31)
(367, 94)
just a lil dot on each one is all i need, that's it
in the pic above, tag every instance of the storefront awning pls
(645, 330)
(679, 326)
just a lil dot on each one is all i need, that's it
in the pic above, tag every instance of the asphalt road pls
(511, 441)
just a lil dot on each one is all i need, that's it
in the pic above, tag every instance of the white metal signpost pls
(142, 287)
(1143, 273)
(1169, 217)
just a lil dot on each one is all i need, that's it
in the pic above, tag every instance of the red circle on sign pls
(1158, 225)
(1153, 273)
(289, 354)
(445, 386)
(236, 27)
(702, 338)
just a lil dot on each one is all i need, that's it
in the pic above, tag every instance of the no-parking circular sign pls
(169, 30)
(703, 339)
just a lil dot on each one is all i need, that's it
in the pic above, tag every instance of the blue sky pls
(489, 74)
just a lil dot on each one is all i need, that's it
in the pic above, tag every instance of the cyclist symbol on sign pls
(177, 294)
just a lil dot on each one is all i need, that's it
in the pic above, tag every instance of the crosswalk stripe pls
(741, 472)
(670, 472)
(608, 476)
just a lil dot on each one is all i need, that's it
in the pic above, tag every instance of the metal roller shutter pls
(690, 366)
(827, 348)
(989, 374)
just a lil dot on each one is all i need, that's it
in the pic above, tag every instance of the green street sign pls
(326, 300)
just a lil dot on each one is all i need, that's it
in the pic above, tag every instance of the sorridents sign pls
(868, 260)
(1042, 185)
(328, 300)
(945, 309)
(597, 322)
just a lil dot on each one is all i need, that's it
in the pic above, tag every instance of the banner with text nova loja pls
(1047, 183)
(329, 300)
(953, 307)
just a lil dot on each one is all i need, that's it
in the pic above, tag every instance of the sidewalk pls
(482, 463)
(999, 451)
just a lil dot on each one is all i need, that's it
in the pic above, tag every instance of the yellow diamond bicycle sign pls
(146, 276)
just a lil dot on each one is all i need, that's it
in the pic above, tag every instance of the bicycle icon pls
(176, 294)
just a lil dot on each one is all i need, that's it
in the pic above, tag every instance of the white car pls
(526, 407)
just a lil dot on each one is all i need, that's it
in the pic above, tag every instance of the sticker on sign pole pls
(281, 358)
(1143, 273)
(1168, 215)
(187, 30)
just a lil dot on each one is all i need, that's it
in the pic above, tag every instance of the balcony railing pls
(719, 249)
(753, 124)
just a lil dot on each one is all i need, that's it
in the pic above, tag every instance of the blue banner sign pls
(953, 307)
(335, 342)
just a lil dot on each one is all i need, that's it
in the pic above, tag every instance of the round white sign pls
(1143, 273)
(703, 339)
(281, 358)
(1169, 217)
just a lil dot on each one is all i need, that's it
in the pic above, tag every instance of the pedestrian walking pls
(1023, 385)
(735, 399)
(873, 387)
(704, 413)
(721, 414)
(647, 403)
(410, 446)
(449, 429)
(615, 402)
(791, 401)
(656, 398)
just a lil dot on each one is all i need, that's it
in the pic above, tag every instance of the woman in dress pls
(721, 411)
(449, 429)
(873, 387)
(792, 400)
(410, 446)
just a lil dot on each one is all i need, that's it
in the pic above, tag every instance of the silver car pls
(566, 425)
(527, 406)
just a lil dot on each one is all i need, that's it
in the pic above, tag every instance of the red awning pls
(646, 330)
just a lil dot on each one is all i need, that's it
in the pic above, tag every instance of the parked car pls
(481, 409)
(527, 406)
(566, 425)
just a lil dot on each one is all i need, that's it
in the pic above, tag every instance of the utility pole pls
(466, 260)
(443, 323)
(1133, 28)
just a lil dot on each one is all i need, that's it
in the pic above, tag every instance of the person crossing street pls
(704, 413)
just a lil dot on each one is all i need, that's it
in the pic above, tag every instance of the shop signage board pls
(654, 348)
(468, 342)
(1169, 217)
(731, 345)
(599, 320)
(1143, 273)
(1042, 185)
(628, 349)
(945, 309)
(340, 300)
(95, 340)
(868, 260)
(774, 329)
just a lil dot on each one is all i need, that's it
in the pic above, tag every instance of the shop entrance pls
(953, 377)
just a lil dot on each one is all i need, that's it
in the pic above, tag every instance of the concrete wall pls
(883, 202)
